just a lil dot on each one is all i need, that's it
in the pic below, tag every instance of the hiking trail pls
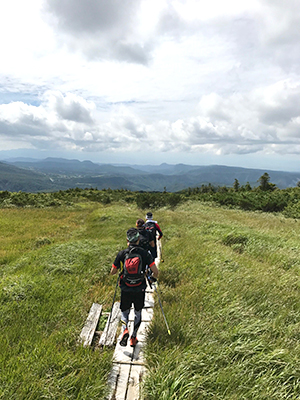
(129, 368)
(128, 362)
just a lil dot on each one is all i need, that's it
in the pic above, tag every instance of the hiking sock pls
(137, 321)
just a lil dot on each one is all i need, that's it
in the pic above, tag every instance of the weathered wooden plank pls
(88, 331)
(149, 304)
(135, 379)
(149, 300)
(149, 296)
(121, 389)
(110, 330)
(113, 381)
(130, 355)
(147, 314)
(138, 353)
(125, 355)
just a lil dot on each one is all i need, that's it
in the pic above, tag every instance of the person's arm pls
(113, 270)
(159, 231)
(154, 270)
(151, 264)
(116, 264)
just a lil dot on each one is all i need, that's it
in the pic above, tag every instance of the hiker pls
(132, 263)
(154, 228)
(147, 240)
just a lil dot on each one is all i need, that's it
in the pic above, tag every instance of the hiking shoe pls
(125, 336)
(133, 341)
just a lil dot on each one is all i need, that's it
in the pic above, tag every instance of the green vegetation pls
(265, 197)
(236, 334)
(235, 274)
(51, 272)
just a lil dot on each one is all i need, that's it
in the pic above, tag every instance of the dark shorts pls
(135, 298)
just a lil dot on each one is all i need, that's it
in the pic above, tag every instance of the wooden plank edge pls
(88, 331)
(110, 330)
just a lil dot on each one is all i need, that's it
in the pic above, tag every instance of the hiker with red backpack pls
(155, 230)
(132, 263)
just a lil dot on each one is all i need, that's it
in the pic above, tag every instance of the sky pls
(148, 82)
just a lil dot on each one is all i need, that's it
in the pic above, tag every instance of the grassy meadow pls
(229, 285)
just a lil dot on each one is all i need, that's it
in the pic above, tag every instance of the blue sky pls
(141, 82)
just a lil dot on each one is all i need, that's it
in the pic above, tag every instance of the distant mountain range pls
(52, 174)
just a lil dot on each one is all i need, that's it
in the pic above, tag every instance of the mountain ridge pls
(51, 174)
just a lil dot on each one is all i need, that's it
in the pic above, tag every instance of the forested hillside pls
(53, 174)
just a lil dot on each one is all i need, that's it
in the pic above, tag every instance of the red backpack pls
(133, 274)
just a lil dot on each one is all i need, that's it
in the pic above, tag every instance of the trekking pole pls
(111, 309)
(161, 307)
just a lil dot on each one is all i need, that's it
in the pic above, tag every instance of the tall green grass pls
(54, 265)
(233, 307)
(229, 286)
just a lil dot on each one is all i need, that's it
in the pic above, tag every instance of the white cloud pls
(215, 78)
(236, 124)
(100, 29)
(70, 107)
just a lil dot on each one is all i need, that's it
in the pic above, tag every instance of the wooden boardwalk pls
(129, 363)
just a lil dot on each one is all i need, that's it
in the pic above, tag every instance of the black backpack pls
(133, 273)
(150, 226)
(144, 239)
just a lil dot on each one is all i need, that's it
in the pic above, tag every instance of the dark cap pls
(132, 235)
(149, 215)
(140, 222)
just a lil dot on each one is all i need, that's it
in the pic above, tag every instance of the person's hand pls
(152, 279)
